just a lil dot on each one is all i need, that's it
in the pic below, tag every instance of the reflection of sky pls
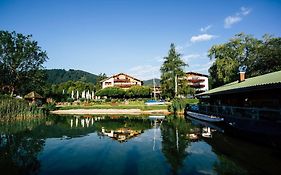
(200, 158)
(93, 154)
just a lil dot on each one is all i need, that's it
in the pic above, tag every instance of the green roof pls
(257, 82)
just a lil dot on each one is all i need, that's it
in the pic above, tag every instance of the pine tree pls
(172, 72)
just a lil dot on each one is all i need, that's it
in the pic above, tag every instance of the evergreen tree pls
(172, 72)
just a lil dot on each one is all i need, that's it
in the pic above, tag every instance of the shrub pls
(49, 107)
(111, 92)
(70, 100)
(179, 104)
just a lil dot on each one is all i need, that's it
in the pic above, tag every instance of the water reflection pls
(19, 149)
(156, 145)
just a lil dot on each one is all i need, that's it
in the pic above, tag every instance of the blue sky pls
(133, 36)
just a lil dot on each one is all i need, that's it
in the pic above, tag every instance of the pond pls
(129, 145)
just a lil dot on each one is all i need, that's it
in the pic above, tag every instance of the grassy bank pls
(115, 106)
(177, 105)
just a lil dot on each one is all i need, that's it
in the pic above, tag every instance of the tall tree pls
(21, 61)
(100, 77)
(172, 75)
(260, 57)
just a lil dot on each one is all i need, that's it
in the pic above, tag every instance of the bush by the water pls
(49, 107)
(178, 104)
(17, 109)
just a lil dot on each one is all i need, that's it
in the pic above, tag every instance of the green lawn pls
(121, 105)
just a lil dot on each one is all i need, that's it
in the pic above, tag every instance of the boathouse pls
(261, 91)
(254, 102)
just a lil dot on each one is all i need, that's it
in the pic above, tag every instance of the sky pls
(133, 36)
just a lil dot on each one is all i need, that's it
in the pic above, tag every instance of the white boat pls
(204, 117)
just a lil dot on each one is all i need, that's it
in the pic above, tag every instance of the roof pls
(119, 74)
(270, 80)
(196, 73)
(32, 95)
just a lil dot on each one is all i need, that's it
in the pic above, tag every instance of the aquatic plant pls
(178, 104)
(18, 109)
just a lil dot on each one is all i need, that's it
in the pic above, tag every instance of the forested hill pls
(56, 76)
(150, 82)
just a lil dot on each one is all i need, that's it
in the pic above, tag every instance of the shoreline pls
(109, 111)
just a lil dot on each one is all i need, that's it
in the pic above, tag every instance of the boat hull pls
(204, 117)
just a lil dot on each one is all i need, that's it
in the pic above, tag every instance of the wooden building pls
(252, 104)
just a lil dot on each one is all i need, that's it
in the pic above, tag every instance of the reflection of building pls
(198, 81)
(121, 134)
(121, 80)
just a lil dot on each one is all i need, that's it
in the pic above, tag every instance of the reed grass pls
(178, 104)
(17, 109)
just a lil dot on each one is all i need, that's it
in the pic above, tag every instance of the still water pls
(128, 145)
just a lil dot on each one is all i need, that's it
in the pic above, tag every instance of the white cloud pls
(202, 68)
(245, 11)
(145, 72)
(205, 29)
(190, 56)
(230, 20)
(203, 37)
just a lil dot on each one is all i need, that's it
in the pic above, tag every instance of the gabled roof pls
(270, 80)
(118, 75)
(32, 95)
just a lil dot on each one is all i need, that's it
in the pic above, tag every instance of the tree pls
(138, 92)
(260, 57)
(111, 92)
(172, 71)
(100, 77)
(21, 62)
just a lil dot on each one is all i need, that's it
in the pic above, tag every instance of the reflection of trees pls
(174, 142)
(18, 149)
(236, 156)
(226, 166)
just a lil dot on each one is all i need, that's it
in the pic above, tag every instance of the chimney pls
(242, 71)
(241, 76)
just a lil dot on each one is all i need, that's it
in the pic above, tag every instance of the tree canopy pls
(21, 62)
(132, 92)
(173, 70)
(261, 56)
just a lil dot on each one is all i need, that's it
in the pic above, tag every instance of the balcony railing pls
(196, 80)
(121, 80)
